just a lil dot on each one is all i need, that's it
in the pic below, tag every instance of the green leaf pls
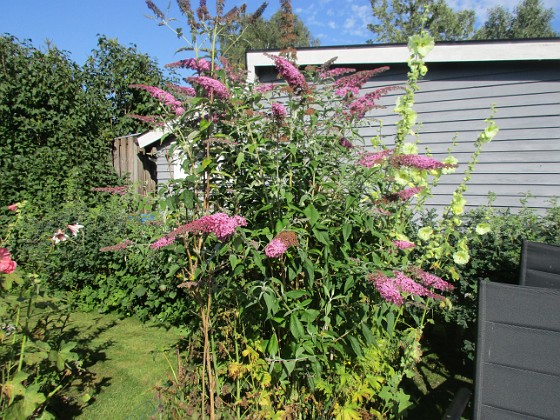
(296, 327)
(140, 290)
(346, 231)
(295, 294)
(240, 159)
(233, 260)
(289, 365)
(273, 345)
(271, 303)
(356, 346)
(312, 214)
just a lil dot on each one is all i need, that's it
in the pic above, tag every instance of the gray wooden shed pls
(167, 165)
(521, 78)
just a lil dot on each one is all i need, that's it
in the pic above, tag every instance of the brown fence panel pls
(131, 161)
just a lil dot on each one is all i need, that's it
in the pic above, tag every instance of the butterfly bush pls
(330, 247)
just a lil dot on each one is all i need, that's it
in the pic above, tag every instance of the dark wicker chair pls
(518, 355)
(540, 265)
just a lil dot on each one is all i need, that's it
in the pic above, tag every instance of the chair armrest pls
(457, 406)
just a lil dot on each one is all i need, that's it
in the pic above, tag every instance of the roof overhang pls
(151, 137)
(444, 52)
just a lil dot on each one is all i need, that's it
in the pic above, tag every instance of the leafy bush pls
(300, 247)
(495, 256)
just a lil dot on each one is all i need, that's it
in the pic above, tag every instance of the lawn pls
(127, 363)
(123, 359)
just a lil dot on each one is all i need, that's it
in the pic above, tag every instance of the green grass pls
(124, 363)
(123, 360)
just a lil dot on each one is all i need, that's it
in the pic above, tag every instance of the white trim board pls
(526, 50)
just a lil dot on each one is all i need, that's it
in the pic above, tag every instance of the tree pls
(108, 74)
(260, 33)
(397, 20)
(529, 20)
(57, 119)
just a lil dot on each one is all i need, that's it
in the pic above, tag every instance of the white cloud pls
(332, 24)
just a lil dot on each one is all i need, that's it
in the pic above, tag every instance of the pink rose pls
(7, 265)
(13, 207)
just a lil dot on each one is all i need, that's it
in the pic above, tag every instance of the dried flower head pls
(118, 247)
(155, 9)
(120, 190)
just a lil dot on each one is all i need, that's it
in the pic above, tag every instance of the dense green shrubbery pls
(57, 119)
(128, 282)
(495, 256)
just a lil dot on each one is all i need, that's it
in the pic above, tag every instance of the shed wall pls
(452, 104)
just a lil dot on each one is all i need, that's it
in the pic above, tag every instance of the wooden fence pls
(131, 161)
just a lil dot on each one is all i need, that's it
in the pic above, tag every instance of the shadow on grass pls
(441, 373)
(86, 384)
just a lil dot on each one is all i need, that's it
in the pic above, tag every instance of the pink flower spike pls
(368, 160)
(279, 111)
(419, 162)
(59, 236)
(387, 288)
(7, 265)
(212, 87)
(74, 229)
(431, 280)
(161, 242)
(403, 244)
(13, 207)
(264, 88)
(275, 248)
(290, 74)
(161, 95)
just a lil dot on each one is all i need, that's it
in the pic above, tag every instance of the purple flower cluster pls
(212, 87)
(351, 85)
(391, 288)
(280, 244)
(182, 90)
(419, 162)
(161, 242)
(404, 244)
(222, 225)
(279, 111)
(370, 159)
(264, 88)
(164, 97)
(360, 106)
(275, 248)
(344, 142)
(409, 193)
(200, 65)
(329, 74)
(290, 74)
(431, 280)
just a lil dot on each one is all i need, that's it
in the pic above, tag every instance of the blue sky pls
(73, 25)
